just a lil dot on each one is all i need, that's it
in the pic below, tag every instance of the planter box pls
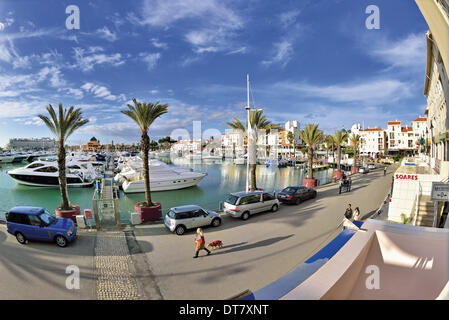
(309, 183)
(153, 213)
(70, 214)
(354, 170)
(338, 175)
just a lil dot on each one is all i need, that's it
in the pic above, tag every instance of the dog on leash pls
(217, 244)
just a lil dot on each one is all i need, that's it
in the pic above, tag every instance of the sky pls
(308, 60)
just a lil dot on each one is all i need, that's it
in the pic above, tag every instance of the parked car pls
(179, 219)
(372, 166)
(34, 223)
(244, 204)
(296, 194)
(363, 170)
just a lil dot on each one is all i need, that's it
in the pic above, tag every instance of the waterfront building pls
(436, 87)
(93, 145)
(31, 144)
(373, 142)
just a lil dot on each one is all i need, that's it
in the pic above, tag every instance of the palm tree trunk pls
(252, 168)
(310, 156)
(145, 141)
(339, 158)
(62, 176)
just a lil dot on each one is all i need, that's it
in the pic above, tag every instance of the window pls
(250, 199)
(267, 197)
(47, 169)
(232, 199)
(198, 213)
(184, 215)
(17, 218)
(34, 220)
(35, 165)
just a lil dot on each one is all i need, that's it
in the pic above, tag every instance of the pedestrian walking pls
(200, 243)
(385, 170)
(357, 216)
(348, 212)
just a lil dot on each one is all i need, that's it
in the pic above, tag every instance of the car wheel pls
(180, 230)
(274, 208)
(216, 222)
(245, 215)
(297, 201)
(21, 238)
(61, 241)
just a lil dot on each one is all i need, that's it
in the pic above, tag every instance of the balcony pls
(436, 13)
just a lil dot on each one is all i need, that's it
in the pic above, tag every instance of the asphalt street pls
(259, 250)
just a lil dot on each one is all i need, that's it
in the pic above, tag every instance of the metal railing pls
(418, 194)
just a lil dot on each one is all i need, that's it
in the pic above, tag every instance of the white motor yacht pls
(46, 174)
(6, 158)
(162, 178)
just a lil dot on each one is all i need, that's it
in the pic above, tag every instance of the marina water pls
(222, 178)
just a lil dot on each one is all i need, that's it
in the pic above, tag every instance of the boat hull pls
(161, 185)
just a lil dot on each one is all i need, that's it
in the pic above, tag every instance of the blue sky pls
(311, 61)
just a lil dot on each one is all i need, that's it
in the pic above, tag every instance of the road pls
(38, 270)
(255, 253)
(259, 250)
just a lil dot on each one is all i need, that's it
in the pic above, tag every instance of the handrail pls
(418, 193)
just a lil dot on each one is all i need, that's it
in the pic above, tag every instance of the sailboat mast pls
(247, 134)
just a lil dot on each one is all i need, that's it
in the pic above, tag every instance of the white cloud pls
(158, 44)
(87, 61)
(283, 52)
(214, 24)
(150, 59)
(405, 53)
(101, 92)
(373, 92)
(288, 18)
(106, 34)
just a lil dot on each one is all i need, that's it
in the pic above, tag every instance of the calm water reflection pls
(223, 177)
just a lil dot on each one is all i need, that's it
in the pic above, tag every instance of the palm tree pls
(340, 137)
(258, 121)
(329, 141)
(291, 140)
(311, 136)
(144, 114)
(355, 141)
(63, 125)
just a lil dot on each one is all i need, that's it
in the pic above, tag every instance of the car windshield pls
(289, 190)
(231, 199)
(171, 214)
(47, 218)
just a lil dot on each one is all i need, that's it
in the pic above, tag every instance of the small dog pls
(217, 244)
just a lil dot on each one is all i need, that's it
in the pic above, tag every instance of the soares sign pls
(406, 176)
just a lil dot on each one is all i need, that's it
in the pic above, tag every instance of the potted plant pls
(62, 126)
(339, 138)
(311, 136)
(144, 114)
(355, 140)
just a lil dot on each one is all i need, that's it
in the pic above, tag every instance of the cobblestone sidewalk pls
(112, 262)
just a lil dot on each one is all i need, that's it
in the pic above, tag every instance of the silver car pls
(179, 219)
(244, 204)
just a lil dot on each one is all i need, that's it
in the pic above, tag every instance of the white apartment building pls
(405, 138)
(373, 142)
(269, 143)
(32, 144)
(437, 90)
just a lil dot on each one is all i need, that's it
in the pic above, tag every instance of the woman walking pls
(357, 216)
(199, 242)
